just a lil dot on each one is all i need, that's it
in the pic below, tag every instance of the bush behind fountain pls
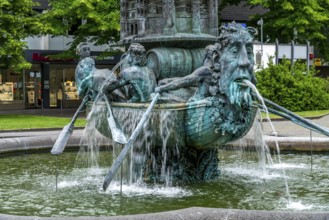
(290, 86)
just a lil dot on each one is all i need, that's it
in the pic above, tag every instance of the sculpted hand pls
(151, 97)
(157, 89)
(106, 88)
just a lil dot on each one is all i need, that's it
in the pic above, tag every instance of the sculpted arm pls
(113, 84)
(186, 81)
(86, 83)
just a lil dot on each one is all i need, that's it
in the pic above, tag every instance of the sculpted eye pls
(234, 50)
(250, 50)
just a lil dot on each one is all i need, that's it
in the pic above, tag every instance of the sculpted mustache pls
(238, 96)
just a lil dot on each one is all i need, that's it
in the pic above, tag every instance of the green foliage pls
(290, 87)
(299, 20)
(17, 21)
(18, 122)
(101, 20)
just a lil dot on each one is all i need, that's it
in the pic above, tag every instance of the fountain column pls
(196, 17)
(123, 17)
(141, 20)
(169, 14)
(213, 14)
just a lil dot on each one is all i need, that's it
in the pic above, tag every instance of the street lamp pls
(261, 22)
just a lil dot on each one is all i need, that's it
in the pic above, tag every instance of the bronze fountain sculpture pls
(178, 60)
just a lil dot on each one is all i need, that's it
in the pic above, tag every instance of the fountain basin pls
(234, 175)
(24, 142)
(15, 141)
(192, 123)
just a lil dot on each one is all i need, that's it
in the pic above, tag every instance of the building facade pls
(50, 82)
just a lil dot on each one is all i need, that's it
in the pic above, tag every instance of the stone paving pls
(290, 135)
(289, 129)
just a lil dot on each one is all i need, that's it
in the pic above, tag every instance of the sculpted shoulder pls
(131, 72)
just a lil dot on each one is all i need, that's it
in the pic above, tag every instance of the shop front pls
(48, 84)
(11, 90)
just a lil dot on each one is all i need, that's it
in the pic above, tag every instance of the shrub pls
(290, 86)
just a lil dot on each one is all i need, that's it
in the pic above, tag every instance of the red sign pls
(38, 57)
(311, 56)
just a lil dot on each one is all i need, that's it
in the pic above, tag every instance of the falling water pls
(166, 128)
(262, 148)
(259, 97)
(132, 166)
(156, 132)
(149, 138)
(91, 139)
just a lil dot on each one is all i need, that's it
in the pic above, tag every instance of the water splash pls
(68, 184)
(251, 174)
(298, 206)
(288, 166)
(137, 189)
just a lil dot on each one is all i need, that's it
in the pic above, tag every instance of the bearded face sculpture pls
(237, 63)
(232, 112)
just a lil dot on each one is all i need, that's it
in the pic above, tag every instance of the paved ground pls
(290, 129)
(46, 112)
(290, 135)
(284, 128)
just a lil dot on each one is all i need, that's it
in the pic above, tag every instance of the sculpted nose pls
(243, 58)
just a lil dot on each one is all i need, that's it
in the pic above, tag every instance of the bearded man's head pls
(237, 63)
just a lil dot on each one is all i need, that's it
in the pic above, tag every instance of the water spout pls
(100, 93)
(274, 132)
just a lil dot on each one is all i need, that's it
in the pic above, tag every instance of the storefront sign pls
(45, 56)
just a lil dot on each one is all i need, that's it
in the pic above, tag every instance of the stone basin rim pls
(199, 213)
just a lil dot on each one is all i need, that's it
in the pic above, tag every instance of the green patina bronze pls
(176, 50)
(138, 76)
(89, 78)
(204, 78)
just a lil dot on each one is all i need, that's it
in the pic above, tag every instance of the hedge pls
(291, 87)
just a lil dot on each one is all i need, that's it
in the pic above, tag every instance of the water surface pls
(28, 186)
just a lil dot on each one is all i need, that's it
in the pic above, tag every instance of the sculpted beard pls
(239, 95)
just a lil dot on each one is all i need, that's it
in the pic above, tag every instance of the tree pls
(223, 3)
(100, 25)
(96, 21)
(17, 21)
(298, 20)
